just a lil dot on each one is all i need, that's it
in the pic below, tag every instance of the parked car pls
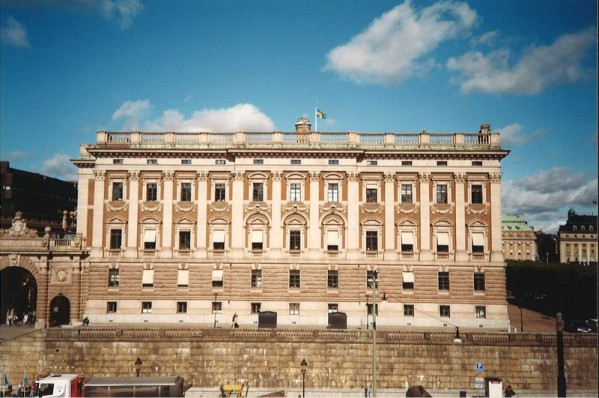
(592, 324)
(577, 326)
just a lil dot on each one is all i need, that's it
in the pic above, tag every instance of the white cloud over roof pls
(14, 33)
(393, 47)
(538, 68)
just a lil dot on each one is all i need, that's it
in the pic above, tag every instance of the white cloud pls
(14, 34)
(538, 68)
(486, 39)
(59, 166)
(542, 197)
(124, 11)
(240, 117)
(392, 47)
(513, 135)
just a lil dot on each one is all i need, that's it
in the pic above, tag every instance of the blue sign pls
(479, 367)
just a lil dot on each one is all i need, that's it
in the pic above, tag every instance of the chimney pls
(303, 125)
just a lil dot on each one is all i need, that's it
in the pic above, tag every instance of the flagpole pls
(316, 120)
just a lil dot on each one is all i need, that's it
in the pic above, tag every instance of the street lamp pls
(138, 366)
(304, 366)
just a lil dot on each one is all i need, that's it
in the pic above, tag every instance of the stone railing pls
(349, 140)
(358, 336)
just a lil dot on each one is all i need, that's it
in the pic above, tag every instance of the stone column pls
(43, 301)
(202, 221)
(352, 230)
(425, 218)
(166, 248)
(98, 214)
(461, 251)
(236, 232)
(314, 230)
(133, 219)
(496, 252)
(389, 215)
(275, 236)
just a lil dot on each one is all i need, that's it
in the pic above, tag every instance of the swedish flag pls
(320, 114)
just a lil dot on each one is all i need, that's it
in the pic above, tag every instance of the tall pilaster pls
(389, 215)
(425, 217)
(167, 215)
(496, 249)
(353, 216)
(236, 231)
(133, 218)
(98, 216)
(314, 226)
(202, 183)
(460, 218)
(276, 234)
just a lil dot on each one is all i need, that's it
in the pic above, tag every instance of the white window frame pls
(483, 183)
(412, 192)
(410, 236)
(256, 279)
(294, 308)
(300, 186)
(147, 278)
(333, 193)
(149, 234)
(213, 190)
(178, 236)
(368, 184)
(333, 238)
(218, 279)
(264, 196)
(218, 234)
(257, 235)
(407, 277)
(180, 191)
(183, 278)
(145, 192)
(448, 192)
(123, 193)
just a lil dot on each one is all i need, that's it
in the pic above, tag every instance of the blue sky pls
(72, 67)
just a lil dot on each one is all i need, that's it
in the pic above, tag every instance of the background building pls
(578, 239)
(195, 227)
(519, 239)
(42, 200)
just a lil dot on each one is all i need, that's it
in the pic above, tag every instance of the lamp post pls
(561, 377)
(375, 275)
(304, 366)
(138, 366)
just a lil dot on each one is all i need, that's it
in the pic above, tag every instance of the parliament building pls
(197, 227)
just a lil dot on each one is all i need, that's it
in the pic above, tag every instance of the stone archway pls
(60, 311)
(18, 291)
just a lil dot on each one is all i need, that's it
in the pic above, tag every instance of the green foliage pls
(550, 288)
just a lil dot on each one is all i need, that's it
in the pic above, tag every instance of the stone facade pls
(195, 227)
(578, 239)
(519, 239)
(336, 359)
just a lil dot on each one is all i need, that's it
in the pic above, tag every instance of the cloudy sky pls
(528, 67)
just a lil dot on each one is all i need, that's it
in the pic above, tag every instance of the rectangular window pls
(476, 194)
(295, 240)
(294, 279)
(111, 307)
(296, 161)
(369, 308)
(333, 161)
(220, 161)
(444, 311)
(443, 278)
(185, 192)
(219, 192)
(371, 195)
(441, 162)
(479, 281)
(333, 308)
(113, 277)
(442, 242)
(333, 192)
(406, 193)
(181, 307)
(152, 161)
(333, 279)
(183, 278)
(117, 191)
(146, 307)
(257, 278)
(117, 161)
(407, 241)
(185, 161)
(408, 310)
(372, 162)
(258, 161)
(481, 311)
(408, 280)
(184, 240)
(295, 192)
(217, 278)
(478, 242)
(255, 308)
(257, 240)
(258, 192)
(372, 277)
(294, 308)
(406, 162)
(218, 240)
(441, 193)
(477, 163)
(151, 192)
(147, 279)
(333, 241)
(372, 241)
(150, 239)
(116, 239)
(217, 307)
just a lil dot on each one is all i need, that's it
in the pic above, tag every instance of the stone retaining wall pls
(336, 359)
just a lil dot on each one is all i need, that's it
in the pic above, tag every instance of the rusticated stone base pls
(336, 359)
